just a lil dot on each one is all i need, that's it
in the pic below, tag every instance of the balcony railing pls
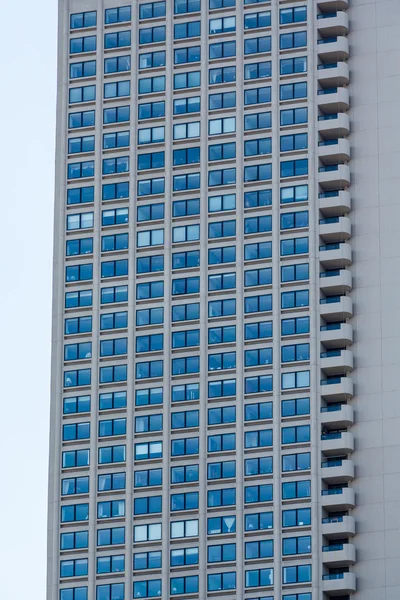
(330, 576)
(332, 194)
(326, 15)
(333, 246)
(332, 408)
(327, 520)
(328, 40)
(332, 548)
(327, 91)
(333, 492)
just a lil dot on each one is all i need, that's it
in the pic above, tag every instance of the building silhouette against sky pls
(225, 408)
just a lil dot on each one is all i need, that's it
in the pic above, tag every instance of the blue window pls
(116, 140)
(222, 50)
(221, 361)
(187, 30)
(86, 93)
(184, 556)
(150, 212)
(185, 312)
(148, 450)
(185, 474)
(112, 454)
(147, 560)
(258, 250)
(150, 237)
(259, 330)
(111, 166)
(294, 220)
(183, 208)
(217, 416)
(74, 540)
(111, 537)
(262, 549)
(258, 19)
(186, 6)
(74, 485)
(76, 431)
(114, 268)
(112, 400)
(293, 15)
(82, 69)
(297, 141)
(261, 356)
(222, 203)
(117, 89)
(186, 105)
(76, 404)
(117, 64)
(188, 501)
(185, 339)
(145, 370)
(218, 525)
(258, 303)
(185, 233)
(117, 15)
(149, 316)
(295, 272)
(258, 439)
(109, 510)
(296, 193)
(296, 462)
(77, 377)
(78, 247)
(258, 172)
(224, 387)
(80, 195)
(147, 589)
(185, 260)
(296, 489)
(79, 170)
(291, 91)
(253, 121)
(259, 578)
(222, 75)
(213, 4)
(78, 593)
(186, 365)
(223, 100)
(258, 466)
(258, 411)
(111, 564)
(151, 110)
(75, 458)
(74, 568)
(149, 187)
(294, 246)
(182, 393)
(259, 384)
(258, 522)
(110, 427)
(114, 294)
(222, 151)
(152, 60)
(222, 497)
(153, 289)
(222, 281)
(115, 191)
(114, 216)
(258, 493)
(257, 70)
(258, 224)
(296, 435)
(147, 505)
(186, 156)
(83, 19)
(295, 379)
(149, 343)
(152, 35)
(296, 39)
(185, 419)
(148, 423)
(113, 374)
(152, 10)
(150, 264)
(295, 352)
(218, 229)
(152, 160)
(256, 277)
(296, 545)
(257, 95)
(221, 443)
(293, 65)
(113, 591)
(148, 396)
(111, 243)
(75, 299)
(294, 116)
(186, 182)
(295, 299)
(118, 114)
(222, 335)
(221, 470)
(81, 119)
(187, 55)
(219, 126)
(188, 285)
(257, 147)
(257, 45)
(298, 406)
(299, 574)
(221, 581)
(184, 585)
(148, 478)
(258, 198)
(118, 39)
(152, 85)
(74, 512)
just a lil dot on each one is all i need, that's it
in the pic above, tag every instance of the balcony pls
(335, 255)
(337, 442)
(339, 555)
(331, 6)
(337, 416)
(333, 74)
(337, 470)
(337, 281)
(334, 203)
(333, 49)
(334, 125)
(338, 527)
(334, 362)
(333, 177)
(333, 23)
(333, 99)
(334, 151)
(335, 229)
(338, 499)
(339, 584)
(335, 308)
(337, 389)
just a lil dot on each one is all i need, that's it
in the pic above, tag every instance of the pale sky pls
(27, 131)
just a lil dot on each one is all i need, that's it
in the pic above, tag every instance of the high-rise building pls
(225, 406)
